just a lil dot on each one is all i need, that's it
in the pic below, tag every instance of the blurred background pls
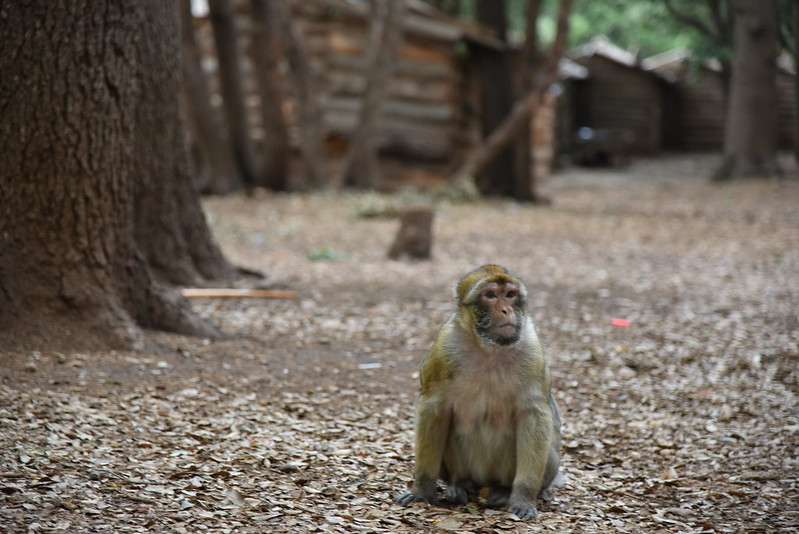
(636, 78)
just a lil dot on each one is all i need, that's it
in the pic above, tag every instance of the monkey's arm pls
(432, 427)
(534, 438)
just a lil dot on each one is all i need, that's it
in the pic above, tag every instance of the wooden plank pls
(423, 70)
(237, 293)
(418, 111)
(352, 83)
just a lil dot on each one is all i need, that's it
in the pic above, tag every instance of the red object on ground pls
(620, 323)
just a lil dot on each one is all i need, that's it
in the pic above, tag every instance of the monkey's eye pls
(490, 295)
(511, 294)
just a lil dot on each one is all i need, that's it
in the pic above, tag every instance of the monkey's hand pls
(422, 492)
(522, 508)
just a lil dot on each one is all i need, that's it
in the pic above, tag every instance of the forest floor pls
(302, 421)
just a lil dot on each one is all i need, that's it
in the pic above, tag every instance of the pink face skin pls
(499, 303)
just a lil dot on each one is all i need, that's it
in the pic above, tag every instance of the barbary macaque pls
(486, 416)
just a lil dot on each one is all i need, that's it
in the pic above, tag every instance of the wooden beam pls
(236, 293)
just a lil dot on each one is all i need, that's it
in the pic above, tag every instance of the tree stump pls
(415, 236)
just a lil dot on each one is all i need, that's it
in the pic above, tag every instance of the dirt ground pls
(302, 420)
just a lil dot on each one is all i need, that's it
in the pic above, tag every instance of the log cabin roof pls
(601, 46)
(671, 64)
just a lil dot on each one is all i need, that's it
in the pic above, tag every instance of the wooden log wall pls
(787, 110)
(702, 110)
(421, 113)
(622, 98)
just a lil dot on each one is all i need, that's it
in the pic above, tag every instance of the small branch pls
(235, 293)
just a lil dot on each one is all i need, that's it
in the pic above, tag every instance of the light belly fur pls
(482, 443)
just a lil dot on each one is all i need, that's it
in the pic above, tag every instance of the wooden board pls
(237, 293)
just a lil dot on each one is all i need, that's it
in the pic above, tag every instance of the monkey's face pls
(499, 311)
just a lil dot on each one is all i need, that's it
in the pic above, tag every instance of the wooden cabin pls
(430, 118)
(620, 96)
(423, 115)
(700, 109)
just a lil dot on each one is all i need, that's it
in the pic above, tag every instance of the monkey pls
(486, 416)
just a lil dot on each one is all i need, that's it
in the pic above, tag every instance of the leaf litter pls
(683, 420)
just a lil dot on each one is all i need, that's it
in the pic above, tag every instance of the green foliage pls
(645, 26)
(326, 254)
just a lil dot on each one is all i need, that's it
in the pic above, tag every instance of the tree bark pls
(170, 225)
(213, 156)
(498, 176)
(795, 8)
(309, 112)
(522, 110)
(750, 142)
(229, 61)
(75, 95)
(361, 167)
(266, 55)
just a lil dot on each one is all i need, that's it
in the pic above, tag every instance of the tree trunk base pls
(733, 167)
(61, 308)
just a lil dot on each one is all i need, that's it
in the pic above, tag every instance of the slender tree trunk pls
(213, 154)
(306, 88)
(229, 60)
(796, 82)
(266, 54)
(522, 110)
(524, 186)
(71, 274)
(361, 167)
(498, 176)
(750, 141)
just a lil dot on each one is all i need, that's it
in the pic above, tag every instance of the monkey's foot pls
(523, 510)
(457, 495)
(409, 498)
(498, 498)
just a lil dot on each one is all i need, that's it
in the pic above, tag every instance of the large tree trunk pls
(266, 54)
(499, 175)
(750, 141)
(523, 109)
(71, 274)
(361, 167)
(306, 88)
(213, 156)
(170, 226)
(229, 62)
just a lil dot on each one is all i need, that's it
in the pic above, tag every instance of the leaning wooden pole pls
(361, 168)
(522, 110)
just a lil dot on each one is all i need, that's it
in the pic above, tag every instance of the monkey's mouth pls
(507, 329)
